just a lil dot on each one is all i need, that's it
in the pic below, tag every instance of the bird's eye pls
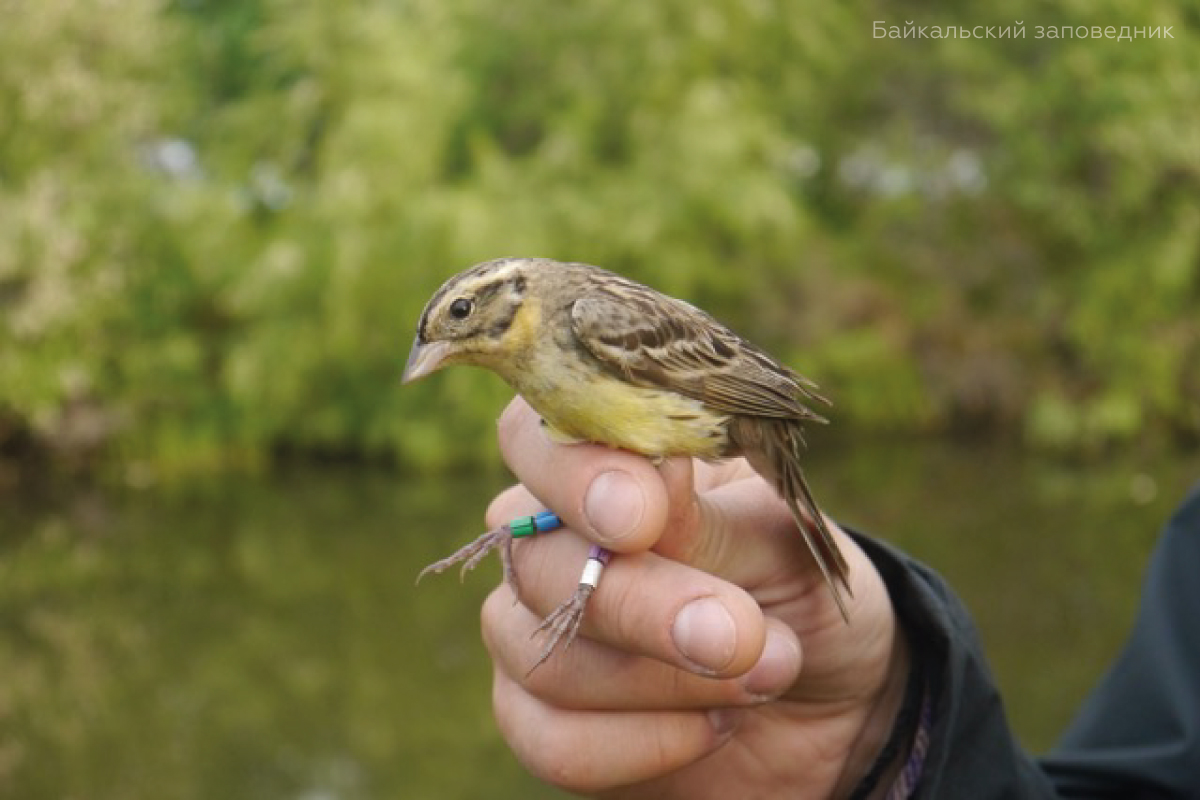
(461, 308)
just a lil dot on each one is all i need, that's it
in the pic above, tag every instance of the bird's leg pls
(502, 537)
(563, 623)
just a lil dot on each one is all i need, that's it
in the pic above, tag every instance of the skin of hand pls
(712, 660)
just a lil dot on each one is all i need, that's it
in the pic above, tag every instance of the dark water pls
(265, 640)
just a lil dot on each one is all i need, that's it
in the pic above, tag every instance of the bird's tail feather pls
(773, 448)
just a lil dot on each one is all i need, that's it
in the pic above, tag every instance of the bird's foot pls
(563, 623)
(470, 555)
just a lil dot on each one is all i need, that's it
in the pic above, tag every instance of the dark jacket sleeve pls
(972, 752)
(1137, 736)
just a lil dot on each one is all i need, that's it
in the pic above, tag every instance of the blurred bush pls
(219, 219)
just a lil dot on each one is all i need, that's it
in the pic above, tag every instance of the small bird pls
(604, 359)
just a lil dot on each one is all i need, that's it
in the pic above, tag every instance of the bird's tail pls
(773, 447)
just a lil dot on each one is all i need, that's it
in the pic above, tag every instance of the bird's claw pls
(563, 624)
(470, 556)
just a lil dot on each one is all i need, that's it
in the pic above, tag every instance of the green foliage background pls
(219, 219)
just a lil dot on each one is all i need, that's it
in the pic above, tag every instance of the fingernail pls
(705, 634)
(614, 505)
(724, 720)
(776, 669)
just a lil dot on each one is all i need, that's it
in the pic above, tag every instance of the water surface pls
(264, 639)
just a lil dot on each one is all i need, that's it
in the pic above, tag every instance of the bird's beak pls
(424, 359)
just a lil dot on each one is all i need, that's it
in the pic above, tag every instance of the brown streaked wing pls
(658, 341)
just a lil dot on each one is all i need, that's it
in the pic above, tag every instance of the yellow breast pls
(603, 409)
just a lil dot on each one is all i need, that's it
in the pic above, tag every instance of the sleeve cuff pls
(971, 748)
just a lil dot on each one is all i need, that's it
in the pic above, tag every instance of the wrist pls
(879, 752)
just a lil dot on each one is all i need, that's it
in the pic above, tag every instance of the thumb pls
(739, 530)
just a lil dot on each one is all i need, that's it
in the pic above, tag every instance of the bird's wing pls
(657, 341)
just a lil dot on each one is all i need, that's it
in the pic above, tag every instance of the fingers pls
(614, 709)
(587, 752)
(614, 498)
(761, 658)
(647, 604)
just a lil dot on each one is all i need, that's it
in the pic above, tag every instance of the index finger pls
(614, 498)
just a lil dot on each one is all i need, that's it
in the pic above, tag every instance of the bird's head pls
(483, 316)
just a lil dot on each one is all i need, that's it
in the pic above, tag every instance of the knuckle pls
(511, 427)
(550, 756)
(623, 610)
(491, 618)
(494, 515)
(506, 426)
(563, 763)
(508, 504)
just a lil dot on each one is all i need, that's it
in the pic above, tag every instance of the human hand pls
(712, 661)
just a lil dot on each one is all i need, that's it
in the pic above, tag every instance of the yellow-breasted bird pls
(607, 360)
